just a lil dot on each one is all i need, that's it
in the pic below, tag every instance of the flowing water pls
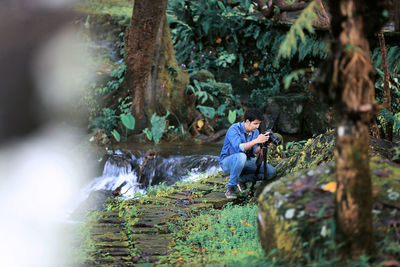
(172, 163)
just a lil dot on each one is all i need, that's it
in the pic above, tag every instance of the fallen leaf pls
(200, 124)
(331, 187)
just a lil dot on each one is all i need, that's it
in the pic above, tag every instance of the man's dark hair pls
(253, 114)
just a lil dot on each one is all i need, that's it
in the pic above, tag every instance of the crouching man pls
(240, 148)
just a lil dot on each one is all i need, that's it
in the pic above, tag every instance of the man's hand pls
(259, 140)
(262, 138)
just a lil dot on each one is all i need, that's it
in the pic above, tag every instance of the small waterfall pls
(122, 168)
(117, 170)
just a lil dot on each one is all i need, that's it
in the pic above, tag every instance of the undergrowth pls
(219, 237)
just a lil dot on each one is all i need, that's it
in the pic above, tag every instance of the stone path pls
(143, 235)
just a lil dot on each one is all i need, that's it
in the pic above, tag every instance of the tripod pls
(261, 158)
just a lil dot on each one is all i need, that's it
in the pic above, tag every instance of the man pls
(239, 150)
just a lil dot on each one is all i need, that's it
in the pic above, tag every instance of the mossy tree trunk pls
(354, 91)
(156, 82)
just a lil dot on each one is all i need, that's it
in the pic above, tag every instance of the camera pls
(272, 138)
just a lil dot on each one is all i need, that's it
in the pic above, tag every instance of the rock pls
(317, 150)
(316, 118)
(202, 76)
(94, 202)
(284, 113)
(99, 137)
(295, 113)
(299, 210)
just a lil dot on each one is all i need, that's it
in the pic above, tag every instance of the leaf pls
(232, 116)
(321, 211)
(197, 84)
(209, 112)
(241, 66)
(128, 121)
(221, 109)
(116, 135)
(148, 133)
(200, 124)
(331, 187)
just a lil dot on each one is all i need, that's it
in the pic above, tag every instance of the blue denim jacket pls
(235, 139)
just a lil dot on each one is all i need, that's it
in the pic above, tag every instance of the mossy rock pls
(296, 212)
(202, 76)
(316, 150)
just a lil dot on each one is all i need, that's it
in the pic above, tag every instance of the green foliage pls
(225, 59)
(214, 99)
(209, 112)
(128, 121)
(117, 77)
(107, 121)
(160, 190)
(121, 9)
(116, 135)
(294, 76)
(396, 153)
(199, 90)
(393, 58)
(157, 127)
(385, 116)
(297, 30)
(228, 237)
(82, 249)
(214, 35)
(232, 116)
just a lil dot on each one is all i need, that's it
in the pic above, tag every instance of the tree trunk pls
(156, 82)
(396, 16)
(354, 93)
(386, 88)
(354, 190)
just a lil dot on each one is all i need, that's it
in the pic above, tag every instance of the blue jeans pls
(243, 169)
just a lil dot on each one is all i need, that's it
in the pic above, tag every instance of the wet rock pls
(94, 202)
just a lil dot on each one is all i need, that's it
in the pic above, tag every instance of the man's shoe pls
(230, 192)
(241, 186)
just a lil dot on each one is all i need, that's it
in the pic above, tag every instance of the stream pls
(172, 163)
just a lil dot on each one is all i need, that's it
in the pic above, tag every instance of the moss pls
(312, 226)
(277, 233)
(116, 8)
(316, 150)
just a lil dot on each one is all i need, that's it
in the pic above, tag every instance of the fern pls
(303, 22)
(294, 76)
(393, 58)
(386, 116)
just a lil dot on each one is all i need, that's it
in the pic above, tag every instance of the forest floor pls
(194, 224)
(136, 231)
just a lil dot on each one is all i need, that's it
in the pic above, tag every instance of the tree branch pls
(266, 10)
(293, 7)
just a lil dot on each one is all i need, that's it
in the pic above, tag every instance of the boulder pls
(295, 114)
(296, 212)
(317, 117)
(284, 113)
